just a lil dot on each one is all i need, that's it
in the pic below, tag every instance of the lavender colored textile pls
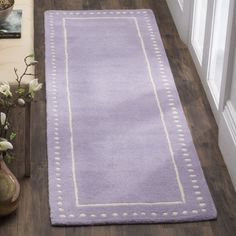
(119, 147)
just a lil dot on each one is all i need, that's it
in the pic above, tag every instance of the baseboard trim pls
(227, 139)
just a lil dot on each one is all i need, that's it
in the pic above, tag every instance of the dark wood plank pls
(110, 4)
(32, 217)
(27, 140)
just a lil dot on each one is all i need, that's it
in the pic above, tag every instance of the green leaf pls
(20, 90)
(12, 136)
(8, 157)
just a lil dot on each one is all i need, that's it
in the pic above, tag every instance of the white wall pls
(227, 127)
(233, 86)
(180, 11)
(225, 111)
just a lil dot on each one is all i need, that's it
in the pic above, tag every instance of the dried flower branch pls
(22, 95)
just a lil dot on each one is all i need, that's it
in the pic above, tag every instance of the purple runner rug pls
(119, 147)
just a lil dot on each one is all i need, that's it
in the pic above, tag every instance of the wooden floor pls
(32, 217)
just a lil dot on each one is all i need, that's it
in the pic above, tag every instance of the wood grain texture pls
(32, 217)
(27, 140)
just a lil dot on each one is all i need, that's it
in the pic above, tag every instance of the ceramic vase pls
(9, 190)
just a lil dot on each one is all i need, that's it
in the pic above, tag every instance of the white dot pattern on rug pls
(139, 214)
(164, 73)
(57, 147)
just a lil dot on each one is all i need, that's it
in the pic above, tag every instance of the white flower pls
(3, 118)
(5, 89)
(34, 86)
(5, 145)
(21, 101)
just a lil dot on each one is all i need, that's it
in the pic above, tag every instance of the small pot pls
(6, 12)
